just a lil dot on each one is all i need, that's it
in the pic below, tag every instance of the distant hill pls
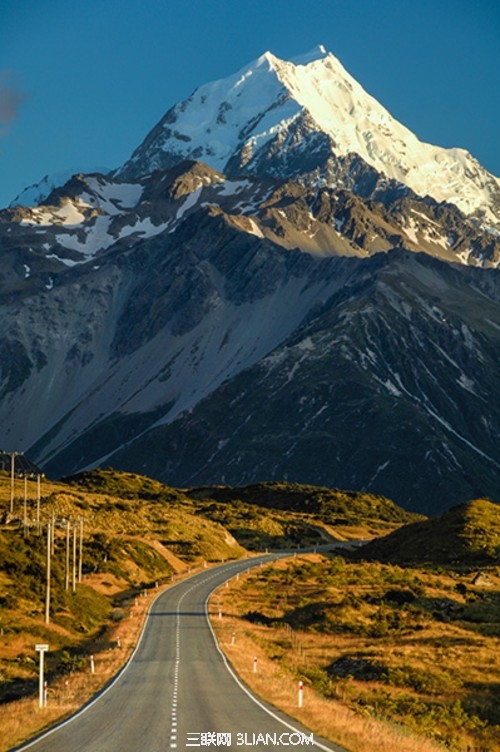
(262, 515)
(331, 505)
(122, 484)
(467, 534)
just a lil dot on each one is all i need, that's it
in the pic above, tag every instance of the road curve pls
(177, 692)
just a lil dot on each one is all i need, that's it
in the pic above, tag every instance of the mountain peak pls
(309, 117)
(267, 59)
(273, 62)
(317, 53)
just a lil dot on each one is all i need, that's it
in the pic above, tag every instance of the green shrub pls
(422, 681)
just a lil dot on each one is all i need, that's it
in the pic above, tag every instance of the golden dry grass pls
(283, 656)
(327, 718)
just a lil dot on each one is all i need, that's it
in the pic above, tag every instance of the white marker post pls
(41, 686)
(255, 664)
(301, 691)
(92, 665)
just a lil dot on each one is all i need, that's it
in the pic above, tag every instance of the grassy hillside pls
(123, 485)
(345, 514)
(136, 532)
(468, 534)
(404, 630)
(417, 648)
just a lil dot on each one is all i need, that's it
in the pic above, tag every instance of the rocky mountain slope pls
(204, 327)
(391, 376)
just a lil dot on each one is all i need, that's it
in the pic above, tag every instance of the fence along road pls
(177, 692)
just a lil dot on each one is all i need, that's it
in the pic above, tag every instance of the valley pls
(388, 639)
(259, 355)
(139, 536)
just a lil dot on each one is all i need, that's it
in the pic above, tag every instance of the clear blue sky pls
(81, 83)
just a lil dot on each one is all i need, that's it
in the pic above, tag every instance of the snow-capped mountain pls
(308, 118)
(285, 312)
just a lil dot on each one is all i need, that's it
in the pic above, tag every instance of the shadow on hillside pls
(481, 614)
(66, 660)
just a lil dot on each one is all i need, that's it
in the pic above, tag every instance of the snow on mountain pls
(378, 365)
(261, 291)
(232, 123)
(38, 192)
(92, 215)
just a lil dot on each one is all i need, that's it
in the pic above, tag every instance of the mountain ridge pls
(349, 398)
(208, 328)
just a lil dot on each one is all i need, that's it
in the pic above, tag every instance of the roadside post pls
(42, 692)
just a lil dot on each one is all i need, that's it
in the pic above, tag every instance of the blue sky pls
(81, 83)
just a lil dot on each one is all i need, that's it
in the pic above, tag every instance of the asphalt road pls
(177, 692)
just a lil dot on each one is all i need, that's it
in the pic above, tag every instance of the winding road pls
(177, 692)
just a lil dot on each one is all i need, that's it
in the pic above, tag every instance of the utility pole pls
(47, 592)
(12, 461)
(13, 456)
(66, 571)
(74, 558)
(39, 475)
(80, 557)
(25, 506)
(53, 542)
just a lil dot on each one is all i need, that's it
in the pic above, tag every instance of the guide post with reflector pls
(42, 692)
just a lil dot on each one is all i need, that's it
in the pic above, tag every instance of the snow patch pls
(232, 187)
(190, 201)
(391, 388)
(466, 383)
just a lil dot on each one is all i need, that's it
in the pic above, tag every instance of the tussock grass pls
(328, 718)
(137, 532)
(398, 648)
(343, 514)
(130, 542)
(467, 535)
